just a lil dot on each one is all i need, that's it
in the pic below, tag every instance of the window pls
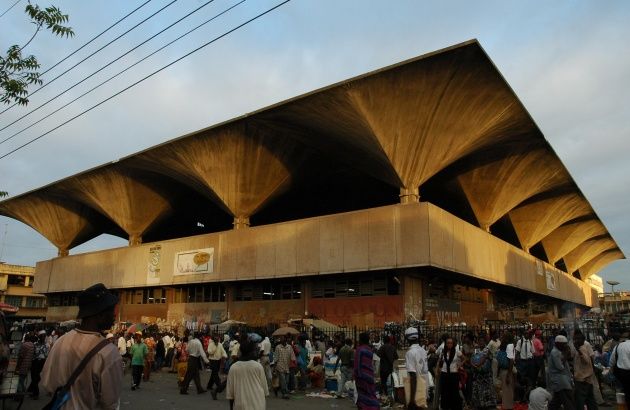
(62, 299)
(268, 290)
(18, 280)
(199, 293)
(145, 296)
(13, 300)
(358, 285)
(35, 302)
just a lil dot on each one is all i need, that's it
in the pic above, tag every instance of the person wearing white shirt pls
(416, 364)
(506, 374)
(216, 354)
(449, 363)
(620, 363)
(246, 385)
(539, 399)
(265, 350)
(195, 355)
(524, 358)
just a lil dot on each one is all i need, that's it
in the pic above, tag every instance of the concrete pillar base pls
(241, 222)
(62, 252)
(135, 239)
(409, 195)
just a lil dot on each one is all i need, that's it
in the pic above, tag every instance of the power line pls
(9, 9)
(102, 68)
(91, 55)
(146, 77)
(123, 71)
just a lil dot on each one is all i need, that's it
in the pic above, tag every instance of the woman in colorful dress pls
(364, 375)
(149, 359)
(483, 390)
(181, 356)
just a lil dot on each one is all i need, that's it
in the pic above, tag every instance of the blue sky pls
(567, 61)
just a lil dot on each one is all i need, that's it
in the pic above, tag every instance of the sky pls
(567, 61)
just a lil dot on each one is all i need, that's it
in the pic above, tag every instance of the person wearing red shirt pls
(539, 353)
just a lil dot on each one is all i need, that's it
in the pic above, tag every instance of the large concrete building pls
(423, 190)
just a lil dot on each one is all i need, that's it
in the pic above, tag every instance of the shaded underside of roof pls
(445, 126)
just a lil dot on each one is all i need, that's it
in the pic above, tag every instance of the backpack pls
(502, 359)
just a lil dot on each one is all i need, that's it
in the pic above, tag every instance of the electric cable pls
(104, 67)
(94, 53)
(9, 9)
(145, 78)
(123, 71)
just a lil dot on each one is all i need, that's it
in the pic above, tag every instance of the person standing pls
(620, 363)
(388, 355)
(139, 352)
(583, 374)
(121, 344)
(363, 373)
(39, 358)
(195, 356)
(505, 370)
(344, 362)
(283, 356)
(560, 375)
(247, 383)
(539, 355)
(160, 354)
(265, 351)
(99, 384)
(149, 359)
(216, 356)
(451, 361)
(416, 362)
(25, 361)
(302, 359)
(524, 359)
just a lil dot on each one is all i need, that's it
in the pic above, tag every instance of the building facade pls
(16, 289)
(422, 190)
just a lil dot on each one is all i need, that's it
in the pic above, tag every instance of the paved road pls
(162, 393)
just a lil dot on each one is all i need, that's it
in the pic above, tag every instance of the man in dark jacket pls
(388, 355)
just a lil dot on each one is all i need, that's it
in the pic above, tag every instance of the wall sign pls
(154, 264)
(194, 262)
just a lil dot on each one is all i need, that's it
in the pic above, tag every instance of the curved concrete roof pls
(448, 112)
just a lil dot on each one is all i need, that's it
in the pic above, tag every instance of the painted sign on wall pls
(153, 265)
(194, 262)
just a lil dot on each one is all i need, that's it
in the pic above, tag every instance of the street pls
(161, 392)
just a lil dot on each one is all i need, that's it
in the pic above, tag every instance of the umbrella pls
(285, 331)
(138, 327)
(5, 307)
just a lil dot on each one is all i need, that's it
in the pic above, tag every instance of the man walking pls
(265, 351)
(388, 355)
(216, 354)
(139, 352)
(346, 356)
(416, 363)
(583, 374)
(283, 356)
(247, 384)
(560, 375)
(99, 384)
(620, 363)
(195, 356)
(39, 358)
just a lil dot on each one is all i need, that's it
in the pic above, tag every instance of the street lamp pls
(612, 284)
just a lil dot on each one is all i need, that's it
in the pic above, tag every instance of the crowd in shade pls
(481, 370)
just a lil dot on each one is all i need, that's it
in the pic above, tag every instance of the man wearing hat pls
(560, 383)
(39, 358)
(99, 384)
(416, 364)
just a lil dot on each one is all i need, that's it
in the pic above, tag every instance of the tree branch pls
(39, 26)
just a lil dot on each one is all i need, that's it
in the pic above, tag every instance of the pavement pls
(161, 392)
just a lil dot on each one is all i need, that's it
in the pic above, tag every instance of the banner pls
(153, 265)
(551, 280)
(194, 262)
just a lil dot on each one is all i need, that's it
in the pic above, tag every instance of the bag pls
(481, 363)
(502, 359)
(62, 394)
(421, 391)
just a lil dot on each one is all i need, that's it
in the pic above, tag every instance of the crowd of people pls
(479, 370)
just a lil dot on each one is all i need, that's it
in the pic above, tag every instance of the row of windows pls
(372, 285)
(145, 296)
(31, 302)
(63, 299)
(20, 280)
(267, 291)
(200, 293)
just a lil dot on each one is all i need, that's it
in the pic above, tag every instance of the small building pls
(16, 289)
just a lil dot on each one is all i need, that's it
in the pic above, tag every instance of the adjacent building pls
(16, 289)
(421, 190)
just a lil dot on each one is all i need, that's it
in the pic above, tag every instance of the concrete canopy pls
(449, 111)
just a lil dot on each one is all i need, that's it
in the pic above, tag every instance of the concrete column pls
(409, 195)
(306, 291)
(62, 252)
(135, 239)
(241, 222)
